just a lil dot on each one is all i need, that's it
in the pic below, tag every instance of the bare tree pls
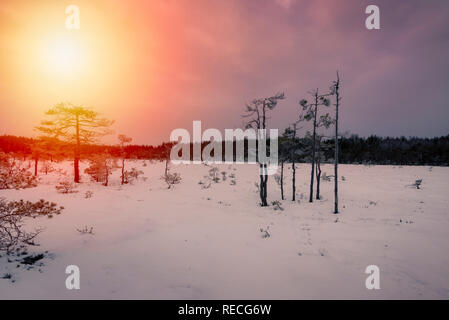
(170, 178)
(256, 112)
(292, 149)
(319, 155)
(41, 150)
(284, 155)
(325, 121)
(77, 125)
(311, 113)
(123, 141)
(336, 91)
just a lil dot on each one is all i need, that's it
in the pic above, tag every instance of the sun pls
(64, 56)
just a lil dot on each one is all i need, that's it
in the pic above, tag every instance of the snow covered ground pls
(194, 243)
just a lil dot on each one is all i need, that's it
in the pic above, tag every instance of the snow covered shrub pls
(205, 185)
(223, 175)
(265, 233)
(66, 186)
(86, 230)
(233, 182)
(417, 183)
(277, 205)
(46, 167)
(11, 221)
(101, 167)
(13, 175)
(88, 194)
(132, 175)
(213, 173)
(325, 177)
(171, 178)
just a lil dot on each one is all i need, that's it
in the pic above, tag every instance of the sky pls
(154, 66)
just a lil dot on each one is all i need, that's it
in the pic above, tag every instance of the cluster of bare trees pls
(291, 147)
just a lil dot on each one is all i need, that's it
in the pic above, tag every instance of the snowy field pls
(192, 243)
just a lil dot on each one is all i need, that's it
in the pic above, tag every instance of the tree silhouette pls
(311, 113)
(123, 141)
(75, 124)
(336, 91)
(292, 147)
(257, 114)
(284, 155)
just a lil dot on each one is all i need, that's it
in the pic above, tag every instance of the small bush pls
(223, 175)
(132, 175)
(417, 183)
(13, 175)
(325, 177)
(101, 167)
(47, 167)
(171, 179)
(66, 186)
(86, 230)
(265, 233)
(213, 173)
(12, 214)
(277, 205)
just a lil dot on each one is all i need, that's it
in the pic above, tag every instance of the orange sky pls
(157, 65)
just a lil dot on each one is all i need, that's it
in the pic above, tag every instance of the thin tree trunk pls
(123, 171)
(36, 160)
(318, 177)
(107, 177)
(77, 152)
(337, 104)
(312, 172)
(318, 168)
(282, 180)
(261, 187)
(292, 155)
(293, 180)
(265, 189)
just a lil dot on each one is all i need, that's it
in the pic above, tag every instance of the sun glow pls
(64, 56)
(42, 62)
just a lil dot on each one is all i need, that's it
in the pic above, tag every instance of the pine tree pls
(75, 124)
(123, 141)
(311, 114)
(257, 114)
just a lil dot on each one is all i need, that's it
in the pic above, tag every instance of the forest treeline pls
(354, 150)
